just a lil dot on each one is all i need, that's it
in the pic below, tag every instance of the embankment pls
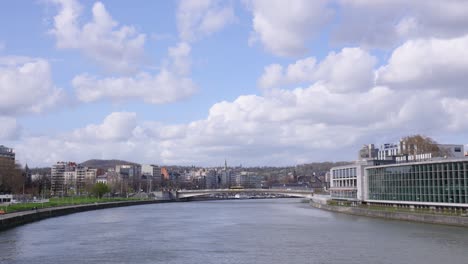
(20, 218)
(404, 216)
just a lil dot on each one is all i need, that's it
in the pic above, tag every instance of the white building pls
(152, 170)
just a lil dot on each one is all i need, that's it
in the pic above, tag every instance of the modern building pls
(423, 180)
(428, 183)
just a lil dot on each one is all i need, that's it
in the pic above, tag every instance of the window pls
(457, 149)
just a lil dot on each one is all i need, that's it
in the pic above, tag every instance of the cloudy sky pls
(258, 82)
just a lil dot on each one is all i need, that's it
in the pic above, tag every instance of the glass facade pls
(445, 182)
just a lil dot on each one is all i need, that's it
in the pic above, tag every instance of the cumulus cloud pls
(117, 48)
(168, 85)
(283, 27)
(26, 86)
(116, 126)
(200, 18)
(349, 70)
(437, 64)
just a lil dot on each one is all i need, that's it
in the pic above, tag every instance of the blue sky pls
(257, 82)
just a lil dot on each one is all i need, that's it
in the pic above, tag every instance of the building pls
(90, 175)
(441, 183)
(249, 180)
(6, 198)
(400, 152)
(344, 181)
(423, 180)
(130, 172)
(57, 179)
(7, 153)
(164, 174)
(102, 179)
(368, 152)
(70, 178)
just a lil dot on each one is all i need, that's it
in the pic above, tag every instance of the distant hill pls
(105, 164)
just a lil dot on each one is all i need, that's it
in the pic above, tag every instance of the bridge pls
(291, 193)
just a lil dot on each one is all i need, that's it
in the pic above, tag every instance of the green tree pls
(99, 189)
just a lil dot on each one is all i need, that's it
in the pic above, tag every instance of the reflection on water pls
(237, 231)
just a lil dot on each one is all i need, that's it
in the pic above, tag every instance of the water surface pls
(233, 231)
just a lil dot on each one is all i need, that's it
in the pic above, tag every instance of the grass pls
(55, 202)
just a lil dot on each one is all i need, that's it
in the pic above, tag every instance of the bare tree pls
(12, 179)
(420, 144)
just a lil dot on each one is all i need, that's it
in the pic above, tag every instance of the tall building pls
(58, 178)
(69, 178)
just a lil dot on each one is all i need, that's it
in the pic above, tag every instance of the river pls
(230, 231)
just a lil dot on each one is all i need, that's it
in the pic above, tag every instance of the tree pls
(99, 189)
(11, 177)
(419, 144)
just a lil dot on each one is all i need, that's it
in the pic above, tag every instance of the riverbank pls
(403, 216)
(11, 220)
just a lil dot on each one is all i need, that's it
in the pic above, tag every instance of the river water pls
(230, 231)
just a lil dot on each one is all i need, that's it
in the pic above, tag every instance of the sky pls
(255, 82)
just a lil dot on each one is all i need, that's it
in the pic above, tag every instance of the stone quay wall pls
(20, 218)
(404, 216)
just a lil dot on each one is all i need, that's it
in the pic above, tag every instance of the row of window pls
(347, 194)
(344, 173)
(447, 183)
(344, 183)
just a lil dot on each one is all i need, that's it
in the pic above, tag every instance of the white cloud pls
(164, 87)
(117, 49)
(180, 58)
(9, 129)
(26, 86)
(421, 89)
(437, 64)
(168, 85)
(116, 126)
(284, 127)
(199, 18)
(349, 70)
(383, 24)
(283, 27)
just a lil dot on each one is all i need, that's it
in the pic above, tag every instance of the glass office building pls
(443, 182)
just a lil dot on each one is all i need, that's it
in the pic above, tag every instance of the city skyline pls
(254, 82)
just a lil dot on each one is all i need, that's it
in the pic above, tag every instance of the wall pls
(416, 217)
(15, 219)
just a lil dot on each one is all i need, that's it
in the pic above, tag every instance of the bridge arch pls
(291, 193)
